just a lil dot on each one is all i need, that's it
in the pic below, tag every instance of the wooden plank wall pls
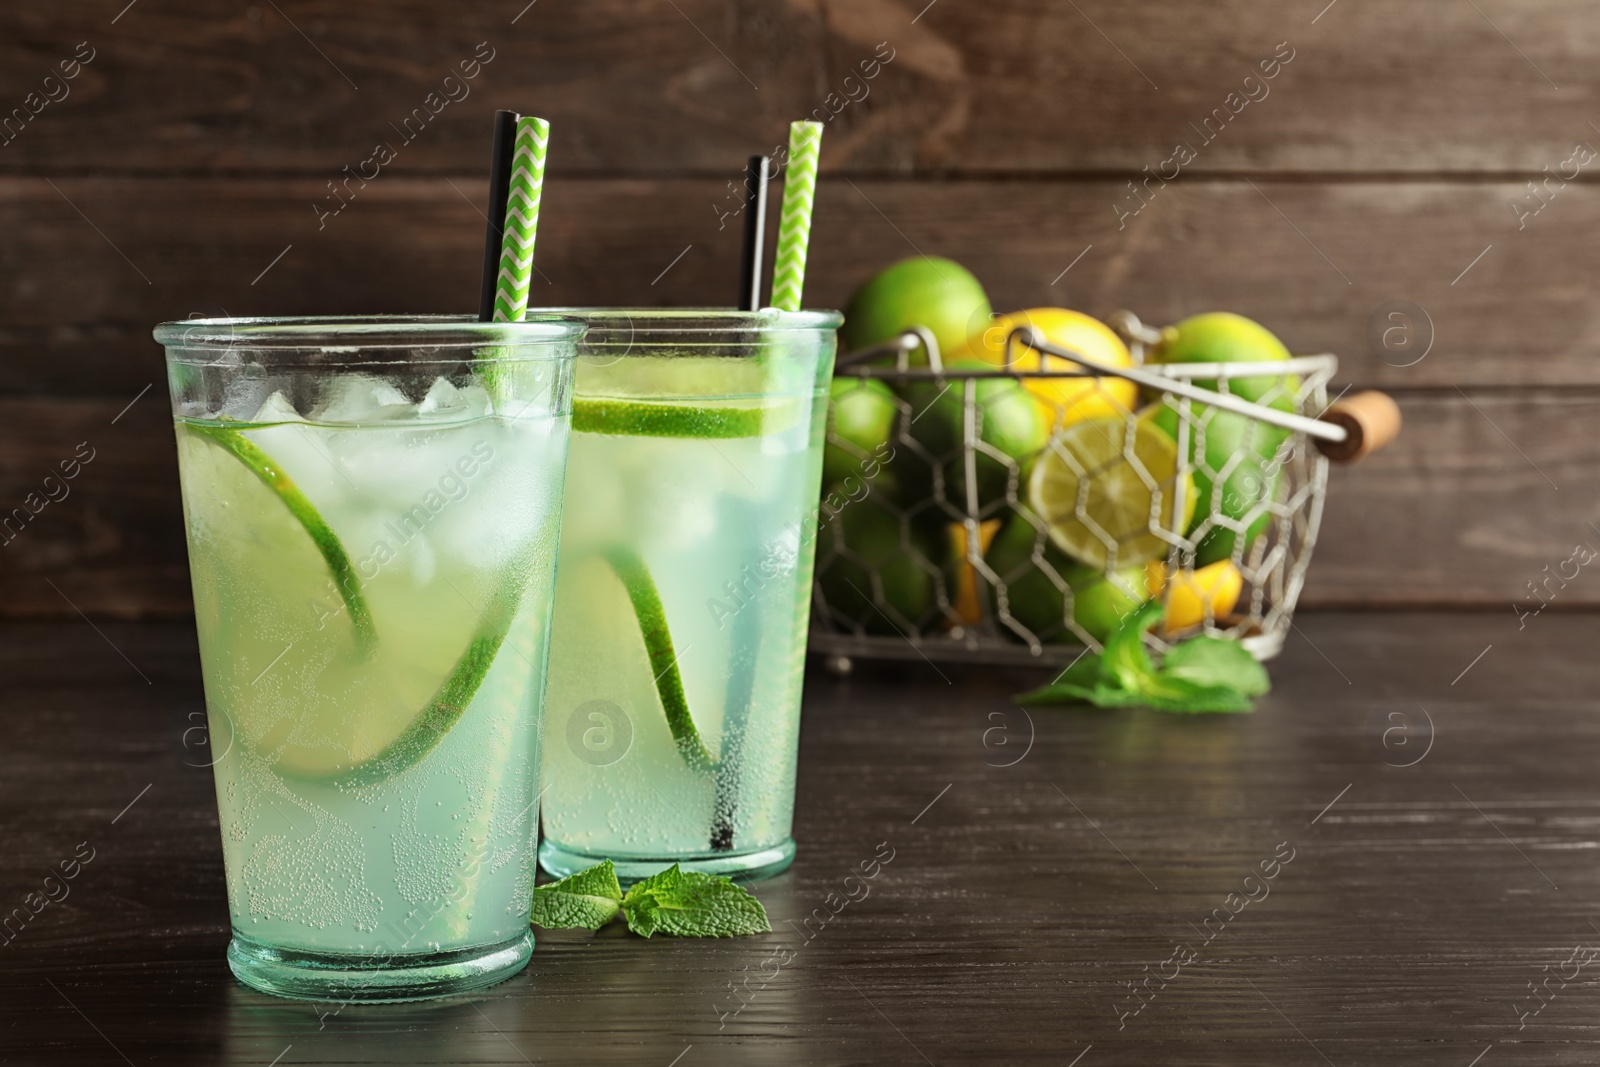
(186, 168)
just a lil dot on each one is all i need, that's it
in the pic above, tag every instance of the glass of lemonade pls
(373, 508)
(678, 648)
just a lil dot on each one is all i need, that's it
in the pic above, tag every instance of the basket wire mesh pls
(933, 544)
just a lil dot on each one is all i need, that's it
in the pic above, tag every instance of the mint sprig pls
(1203, 674)
(589, 899)
(674, 901)
(693, 904)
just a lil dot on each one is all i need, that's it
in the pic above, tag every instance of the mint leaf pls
(1059, 693)
(1082, 683)
(588, 899)
(1208, 660)
(1125, 663)
(1075, 684)
(1085, 670)
(1204, 674)
(692, 904)
(1181, 695)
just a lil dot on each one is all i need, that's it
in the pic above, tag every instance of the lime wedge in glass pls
(319, 697)
(427, 729)
(706, 420)
(654, 418)
(272, 475)
(652, 618)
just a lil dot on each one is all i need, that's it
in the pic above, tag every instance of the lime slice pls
(650, 418)
(652, 617)
(1103, 496)
(305, 513)
(428, 729)
(316, 700)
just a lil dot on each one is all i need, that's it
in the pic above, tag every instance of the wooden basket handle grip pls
(1370, 418)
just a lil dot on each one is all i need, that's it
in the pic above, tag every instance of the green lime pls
(653, 418)
(861, 418)
(877, 568)
(1241, 453)
(1010, 424)
(1223, 337)
(921, 291)
(1238, 450)
(1103, 497)
(1033, 572)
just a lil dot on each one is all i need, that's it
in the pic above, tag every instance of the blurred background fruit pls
(1034, 595)
(870, 556)
(928, 291)
(1098, 504)
(1008, 422)
(1236, 450)
(1065, 400)
(861, 421)
(1223, 337)
(1216, 587)
(1062, 495)
(1242, 452)
(967, 601)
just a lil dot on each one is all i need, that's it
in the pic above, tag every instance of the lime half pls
(1104, 487)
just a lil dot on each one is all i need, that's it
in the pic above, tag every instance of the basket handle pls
(1335, 433)
(1370, 419)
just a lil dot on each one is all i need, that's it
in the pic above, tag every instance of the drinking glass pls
(373, 508)
(681, 611)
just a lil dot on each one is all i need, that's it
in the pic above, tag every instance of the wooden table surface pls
(1441, 824)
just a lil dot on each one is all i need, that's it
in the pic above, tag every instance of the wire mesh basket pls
(959, 527)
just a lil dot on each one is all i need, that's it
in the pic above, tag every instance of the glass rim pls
(699, 320)
(334, 333)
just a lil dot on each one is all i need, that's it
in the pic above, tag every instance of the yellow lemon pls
(1217, 587)
(1066, 400)
(965, 602)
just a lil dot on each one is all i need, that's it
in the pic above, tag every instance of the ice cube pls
(419, 555)
(447, 402)
(361, 398)
(442, 396)
(276, 408)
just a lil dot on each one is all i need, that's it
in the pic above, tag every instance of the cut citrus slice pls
(652, 418)
(1104, 496)
(313, 698)
(263, 466)
(652, 617)
(615, 650)
(429, 727)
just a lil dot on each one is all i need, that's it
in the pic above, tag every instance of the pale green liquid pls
(726, 528)
(440, 854)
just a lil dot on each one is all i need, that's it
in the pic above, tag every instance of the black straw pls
(741, 679)
(755, 231)
(505, 135)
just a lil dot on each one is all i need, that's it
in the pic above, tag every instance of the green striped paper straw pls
(794, 221)
(522, 219)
